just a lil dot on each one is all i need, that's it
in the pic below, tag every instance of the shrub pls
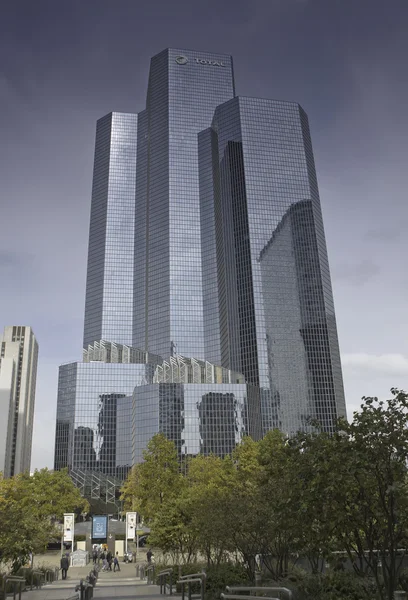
(330, 586)
(179, 570)
(403, 579)
(218, 576)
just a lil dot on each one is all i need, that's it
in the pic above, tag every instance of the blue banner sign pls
(100, 527)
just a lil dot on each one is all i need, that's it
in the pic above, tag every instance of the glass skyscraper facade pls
(206, 242)
(269, 305)
(93, 432)
(109, 285)
(181, 98)
(199, 418)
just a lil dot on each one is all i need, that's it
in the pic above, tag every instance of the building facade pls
(206, 241)
(200, 418)
(109, 284)
(203, 408)
(181, 98)
(18, 374)
(269, 305)
(92, 431)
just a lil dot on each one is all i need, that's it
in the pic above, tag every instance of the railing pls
(16, 582)
(51, 575)
(141, 570)
(191, 580)
(39, 579)
(149, 572)
(86, 586)
(163, 576)
(30, 580)
(85, 590)
(235, 593)
(92, 578)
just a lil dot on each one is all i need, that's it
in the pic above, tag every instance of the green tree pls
(316, 469)
(171, 528)
(245, 511)
(19, 530)
(353, 490)
(374, 446)
(155, 480)
(210, 490)
(30, 507)
(52, 493)
(279, 485)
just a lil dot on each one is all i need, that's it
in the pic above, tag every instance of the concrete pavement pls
(119, 585)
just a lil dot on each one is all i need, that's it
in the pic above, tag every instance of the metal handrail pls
(162, 576)
(92, 578)
(51, 575)
(149, 571)
(85, 589)
(277, 590)
(141, 570)
(14, 581)
(190, 580)
(241, 597)
(40, 579)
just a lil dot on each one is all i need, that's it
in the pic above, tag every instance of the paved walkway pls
(119, 585)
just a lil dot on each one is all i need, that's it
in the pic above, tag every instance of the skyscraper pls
(269, 304)
(183, 92)
(18, 374)
(206, 242)
(109, 285)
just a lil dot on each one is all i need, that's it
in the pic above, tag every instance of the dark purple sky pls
(65, 63)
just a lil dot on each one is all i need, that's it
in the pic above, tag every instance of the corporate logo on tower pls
(183, 60)
(206, 61)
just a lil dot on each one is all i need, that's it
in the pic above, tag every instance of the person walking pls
(149, 556)
(109, 559)
(94, 556)
(116, 562)
(64, 563)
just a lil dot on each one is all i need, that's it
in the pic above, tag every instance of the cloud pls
(377, 364)
(12, 259)
(357, 273)
(386, 234)
(18, 268)
(8, 92)
(372, 375)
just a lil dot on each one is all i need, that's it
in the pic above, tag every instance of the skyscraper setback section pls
(206, 246)
(261, 219)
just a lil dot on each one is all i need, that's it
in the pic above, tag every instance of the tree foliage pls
(310, 496)
(154, 481)
(30, 507)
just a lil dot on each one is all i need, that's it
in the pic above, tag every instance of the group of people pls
(105, 556)
(102, 554)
